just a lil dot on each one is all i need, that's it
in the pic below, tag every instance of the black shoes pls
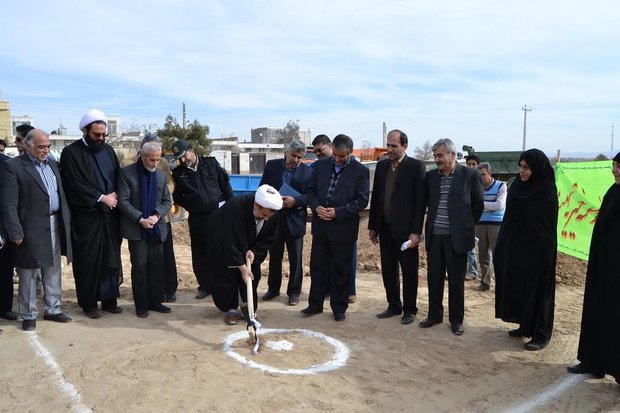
(388, 313)
(534, 346)
(170, 298)
(29, 325)
(457, 329)
(201, 294)
(160, 308)
(482, 287)
(339, 316)
(292, 300)
(114, 309)
(59, 318)
(427, 322)
(517, 332)
(93, 312)
(311, 311)
(580, 369)
(270, 295)
(142, 313)
(9, 315)
(407, 318)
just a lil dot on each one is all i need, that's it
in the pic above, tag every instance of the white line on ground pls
(546, 395)
(66, 387)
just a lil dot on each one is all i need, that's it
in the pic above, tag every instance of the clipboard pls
(287, 190)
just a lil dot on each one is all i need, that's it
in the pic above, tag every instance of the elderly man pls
(291, 178)
(37, 220)
(144, 199)
(89, 171)
(242, 230)
(201, 187)
(455, 201)
(488, 227)
(396, 216)
(338, 191)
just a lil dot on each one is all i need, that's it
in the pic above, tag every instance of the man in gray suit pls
(143, 200)
(37, 221)
(455, 201)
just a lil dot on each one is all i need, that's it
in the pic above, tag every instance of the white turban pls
(268, 197)
(91, 116)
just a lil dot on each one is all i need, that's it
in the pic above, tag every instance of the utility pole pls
(384, 135)
(525, 110)
(184, 123)
(612, 140)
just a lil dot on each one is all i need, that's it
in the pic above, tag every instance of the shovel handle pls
(249, 292)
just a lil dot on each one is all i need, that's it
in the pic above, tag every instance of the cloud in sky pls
(434, 69)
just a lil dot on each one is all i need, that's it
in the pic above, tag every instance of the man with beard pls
(144, 200)
(89, 168)
(201, 187)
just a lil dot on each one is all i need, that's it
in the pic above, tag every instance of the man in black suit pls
(338, 191)
(6, 270)
(292, 172)
(396, 216)
(455, 201)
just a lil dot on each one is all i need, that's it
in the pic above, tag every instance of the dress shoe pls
(311, 311)
(458, 329)
(160, 308)
(534, 346)
(59, 318)
(470, 276)
(407, 318)
(93, 312)
(293, 299)
(388, 313)
(170, 298)
(201, 294)
(114, 309)
(231, 318)
(581, 369)
(352, 299)
(482, 287)
(142, 313)
(339, 316)
(270, 295)
(29, 325)
(9, 315)
(427, 322)
(517, 332)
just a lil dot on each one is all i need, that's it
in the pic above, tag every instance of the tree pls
(424, 152)
(601, 157)
(290, 132)
(196, 133)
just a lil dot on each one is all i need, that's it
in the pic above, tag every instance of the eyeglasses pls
(318, 151)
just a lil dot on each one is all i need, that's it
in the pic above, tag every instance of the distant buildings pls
(269, 134)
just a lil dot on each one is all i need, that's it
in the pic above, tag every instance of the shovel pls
(253, 325)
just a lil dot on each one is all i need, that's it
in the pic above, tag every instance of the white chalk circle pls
(338, 360)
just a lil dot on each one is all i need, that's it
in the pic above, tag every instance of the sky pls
(435, 69)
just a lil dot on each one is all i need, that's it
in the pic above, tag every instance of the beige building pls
(5, 122)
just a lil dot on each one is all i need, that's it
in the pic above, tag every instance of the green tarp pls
(581, 187)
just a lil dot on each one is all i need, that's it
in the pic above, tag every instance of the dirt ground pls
(176, 362)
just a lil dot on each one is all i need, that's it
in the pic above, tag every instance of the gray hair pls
(149, 137)
(485, 165)
(32, 134)
(450, 146)
(296, 146)
(151, 147)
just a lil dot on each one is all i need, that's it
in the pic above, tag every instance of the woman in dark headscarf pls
(599, 341)
(525, 255)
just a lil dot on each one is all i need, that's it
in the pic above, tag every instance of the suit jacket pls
(129, 202)
(24, 205)
(407, 202)
(465, 205)
(295, 217)
(349, 198)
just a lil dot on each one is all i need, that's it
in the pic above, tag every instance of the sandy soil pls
(176, 362)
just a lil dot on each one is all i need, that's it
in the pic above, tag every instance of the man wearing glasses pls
(90, 168)
(322, 146)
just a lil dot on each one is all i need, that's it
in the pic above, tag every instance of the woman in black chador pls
(599, 341)
(525, 255)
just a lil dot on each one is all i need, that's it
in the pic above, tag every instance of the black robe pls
(232, 232)
(95, 229)
(526, 251)
(599, 341)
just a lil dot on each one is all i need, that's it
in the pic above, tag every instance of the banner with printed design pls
(581, 187)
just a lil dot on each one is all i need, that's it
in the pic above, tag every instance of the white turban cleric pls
(268, 197)
(91, 116)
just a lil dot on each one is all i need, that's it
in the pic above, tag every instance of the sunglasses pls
(317, 151)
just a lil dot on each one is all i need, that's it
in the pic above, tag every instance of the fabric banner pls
(581, 187)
